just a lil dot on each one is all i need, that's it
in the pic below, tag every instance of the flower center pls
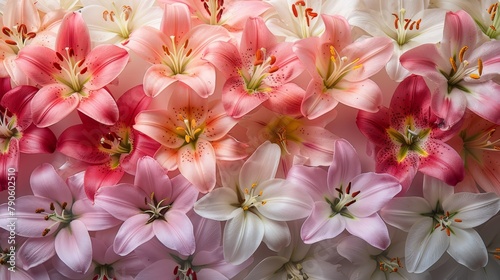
(282, 130)
(339, 205)
(178, 57)
(119, 16)
(214, 8)
(115, 145)
(64, 216)
(251, 199)
(388, 265)
(71, 72)
(157, 209)
(8, 129)
(338, 68)
(190, 131)
(459, 71)
(473, 145)
(410, 139)
(492, 30)
(104, 272)
(304, 15)
(295, 271)
(263, 66)
(402, 26)
(445, 220)
(18, 37)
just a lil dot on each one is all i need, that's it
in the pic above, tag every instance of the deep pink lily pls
(109, 150)
(193, 135)
(408, 138)
(259, 72)
(17, 133)
(461, 68)
(73, 76)
(340, 69)
(175, 52)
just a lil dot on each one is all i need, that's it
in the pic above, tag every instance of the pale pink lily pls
(461, 68)
(154, 206)
(345, 198)
(259, 72)
(255, 205)
(48, 6)
(22, 26)
(408, 23)
(478, 143)
(340, 69)
(57, 219)
(207, 262)
(299, 19)
(408, 137)
(73, 76)
(231, 14)
(442, 221)
(113, 21)
(175, 52)
(17, 133)
(110, 151)
(302, 141)
(193, 137)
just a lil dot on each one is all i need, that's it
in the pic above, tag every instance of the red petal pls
(73, 34)
(100, 106)
(98, 176)
(104, 63)
(37, 140)
(52, 104)
(80, 142)
(18, 101)
(131, 103)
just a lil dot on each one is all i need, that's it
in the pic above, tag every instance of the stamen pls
(57, 66)
(458, 220)
(480, 66)
(6, 31)
(294, 10)
(418, 24)
(45, 232)
(105, 15)
(396, 21)
(10, 42)
(59, 56)
(462, 52)
(52, 208)
(453, 64)
(64, 204)
(39, 210)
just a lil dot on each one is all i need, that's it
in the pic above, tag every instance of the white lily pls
(442, 221)
(407, 22)
(256, 206)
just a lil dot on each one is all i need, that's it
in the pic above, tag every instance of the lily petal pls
(73, 246)
(37, 140)
(320, 225)
(104, 64)
(176, 233)
(242, 236)
(261, 165)
(467, 248)
(52, 104)
(345, 165)
(372, 229)
(100, 106)
(217, 205)
(133, 233)
(197, 164)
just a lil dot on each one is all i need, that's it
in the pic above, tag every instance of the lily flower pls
(57, 219)
(340, 69)
(301, 19)
(48, 6)
(408, 23)
(119, 18)
(255, 205)
(442, 221)
(259, 72)
(345, 198)
(176, 52)
(193, 136)
(408, 138)
(154, 205)
(462, 68)
(17, 133)
(73, 76)
(113, 150)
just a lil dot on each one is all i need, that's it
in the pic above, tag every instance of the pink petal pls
(316, 145)
(316, 102)
(425, 60)
(73, 34)
(30, 252)
(197, 163)
(104, 64)
(45, 182)
(255, 36)
(92, 216)
(374, 125)
(80, 142)
(365, 95)
(337, 31)
(73, 246)
(285, 99)
(404, 171)
(200, 78)
(38, 64)
(151, 178)
(217, 122)
(372, 229)
(225, 57)
(448, 106)
(230, 149)
(100, 106)
(373, 54)
(21, 12)
(443, 162)
(176, 232)
(52, 104)
(157, 124)
(237, 101)
(157, 78)
(29, 223)
(97, 176)
(143, 146)
(459, 30)
(167, 158)
(184, 195)
(312, 179)
(122, 200)
(18, 101)
(345, 165)
(309, 52)
(131, 103)
(133, 233)
(37, 140)
(320, 226)
(147, 42)
(176, 20)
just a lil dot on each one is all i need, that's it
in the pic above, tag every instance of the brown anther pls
(105, 15)
(480, 66)
(22, 29)
(6, 31)
(497, 257)
(260, 193)
(176, 270)
(57, 66)
(264, 202)
(436, 226)
(273, 59)
(273, 69)
(418, 24)
(354, 194)
(407, 23)
(186, 44)
(111, 16)
(350, 203)
(30, 35)
(46, 218)
(71, 52)
(490, 9)
(448, 232)
(165, 49)
(127, 10)
(475, 76)
(493, 28)
(246, 191)
(63, 205)
(412, 25)
(348, 189)
(219, 15)
(189, 52)
(83, 71)
(205, 5)
(453, 64)
(294, 11)
(492, 17)
(81, 62)
(52, 208)
(458, 220)
(339, 190)
(462, 53)
(396, 21)
(10, 42)
(59, 56)
(45, 232)
(39, 210)
(300, 3)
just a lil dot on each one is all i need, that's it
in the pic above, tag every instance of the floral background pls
(250, 139)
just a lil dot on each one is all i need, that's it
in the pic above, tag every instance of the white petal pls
(467, 248)
(435, 191)
(242, 236)
(276, 234)
(266, 268)
(218, 205)
(261, 165)
(473, 209)
(404, 212)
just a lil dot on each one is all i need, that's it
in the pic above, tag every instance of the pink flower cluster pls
(226, 139)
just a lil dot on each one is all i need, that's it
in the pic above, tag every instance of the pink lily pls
(175, 52)
(18, 134)
(73, 76)
(154, 206)
(193, 135)
(345, 198)
(340, 69)
(408, 138)
(57, 219)
(259, 72)
(109, 150)
(462, 68)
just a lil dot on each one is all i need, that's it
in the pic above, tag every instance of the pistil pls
(251, 199)
(157, 209)
(295, 271)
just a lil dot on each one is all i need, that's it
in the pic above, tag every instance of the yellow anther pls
(475, 76)
(254, 185)
(453, 64)
(462, 53)
(187, 138)
(263, 202)
(193, 123)
(260, 193)
(246, 191)
(245, 208)
(180, 117)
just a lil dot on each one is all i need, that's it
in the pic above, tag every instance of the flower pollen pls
(190, 131)
(263, 66)
(402, 25)
(18, 37)
(120, 16)
(388, 264)
(63, 216)
(8, 130)
(251, 199)
(178, 57)
(492, 30)
(339, 205)
(338, 68)
(459, 71)
(304, 16)
(184, 272)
